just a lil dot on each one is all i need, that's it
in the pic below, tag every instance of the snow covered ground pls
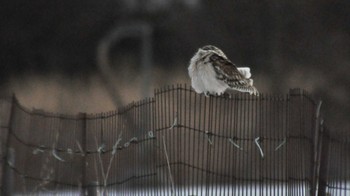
(244, 190)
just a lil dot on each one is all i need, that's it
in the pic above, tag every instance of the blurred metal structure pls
(176, 143)
(139, 30)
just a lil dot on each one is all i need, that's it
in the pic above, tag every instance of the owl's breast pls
(204, 80)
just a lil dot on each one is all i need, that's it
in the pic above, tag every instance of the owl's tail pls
(253, 91)
(249, 88)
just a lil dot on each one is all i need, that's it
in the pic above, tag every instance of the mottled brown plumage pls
(212, 72)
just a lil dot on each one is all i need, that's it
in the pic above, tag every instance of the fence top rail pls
(157, 92)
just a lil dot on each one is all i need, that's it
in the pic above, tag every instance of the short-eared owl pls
(212, 73)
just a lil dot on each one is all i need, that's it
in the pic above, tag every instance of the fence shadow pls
(176, 143)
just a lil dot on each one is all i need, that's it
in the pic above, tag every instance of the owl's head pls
(210, 49)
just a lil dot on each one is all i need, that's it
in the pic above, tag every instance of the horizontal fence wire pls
(176, 143)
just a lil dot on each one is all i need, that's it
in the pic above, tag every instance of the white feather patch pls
(203, 78)
(245, 71)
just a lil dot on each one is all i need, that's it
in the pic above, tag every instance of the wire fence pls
(334, 178)
(176, 143)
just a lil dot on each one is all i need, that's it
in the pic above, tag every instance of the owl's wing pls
(228, 72)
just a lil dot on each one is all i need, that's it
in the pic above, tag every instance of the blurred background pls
(91, 56)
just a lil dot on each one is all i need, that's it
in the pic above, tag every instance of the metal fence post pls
(323, 162)
(7, 180)
(317, 149)
(302, 136)
(83, 117)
